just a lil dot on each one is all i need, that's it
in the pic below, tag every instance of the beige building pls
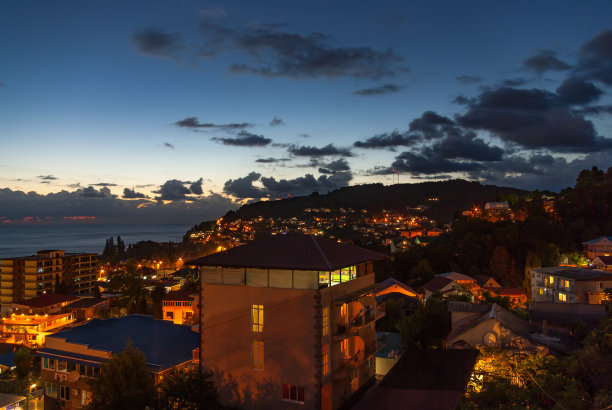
(289, 320)
(565, 284)
(81, 272)
(181, 307)
(601, 246)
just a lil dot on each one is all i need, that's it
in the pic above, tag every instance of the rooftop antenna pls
(393, 177)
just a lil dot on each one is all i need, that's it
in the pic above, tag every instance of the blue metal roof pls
(594, 241)
(163, 343)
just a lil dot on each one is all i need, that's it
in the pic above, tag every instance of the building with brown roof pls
(566, 284)
(288, 320)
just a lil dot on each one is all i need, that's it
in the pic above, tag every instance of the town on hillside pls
(508, 304)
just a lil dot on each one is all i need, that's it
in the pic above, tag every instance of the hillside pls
(452, 196)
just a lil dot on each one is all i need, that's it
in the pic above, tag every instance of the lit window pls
(551, 280)
(325, 321)
(562, 297)
(541, 291)
(258, 355)
(293, 393)
(257, 318)
(566, 283)
(325, 360)
(343, 309)
(343, 345)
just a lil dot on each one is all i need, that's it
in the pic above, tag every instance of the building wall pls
(548, 288)
(289, 337)
(592, 292)
(178, 311)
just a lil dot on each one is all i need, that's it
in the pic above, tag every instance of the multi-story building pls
(29, 276)
(181, 307)
(81, 272)
(288, 320)
(601, 246)
(71, 360)
(565, 284)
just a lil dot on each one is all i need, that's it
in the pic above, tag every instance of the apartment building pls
(565, 284)
(181, 307)
(289, 320)
(28, 276)
(71, 360)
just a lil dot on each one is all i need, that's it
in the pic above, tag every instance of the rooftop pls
(85, 303)
(437, 283)
(594, 241)
(293, 251)
(179, 295)
(163, 343)
(456, 276)
(46, 300)
(578, 274)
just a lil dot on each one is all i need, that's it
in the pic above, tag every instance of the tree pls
(157, 297)
(124, 382)
(428, 327)
(23, 361)
(190, 390)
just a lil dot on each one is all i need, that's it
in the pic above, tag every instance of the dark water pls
(27, 239)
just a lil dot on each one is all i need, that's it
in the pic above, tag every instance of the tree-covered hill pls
(452, 195)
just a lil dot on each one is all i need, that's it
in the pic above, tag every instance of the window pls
(541, 291)
(551, 280)
(293, 393)
(170, 315)
(344, 345)
(85, 397)
(343, 309)
(566, 283)
(257, 318)
(64, 392)
(61, 366)
(258, 355)
(325, 321)
(325, 360)
(71, 366)
(51, 389)
(562, 297)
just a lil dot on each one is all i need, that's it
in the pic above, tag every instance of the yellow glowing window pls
(551, 280)
(258, 355)
(257, 318)
(562, 297)
(344, 345)
(541, 291)
(325, 360)
(325, 321)
(343, 309)
(566, 283)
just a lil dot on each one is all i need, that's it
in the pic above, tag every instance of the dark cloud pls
(243, 187)
(388, 140)
(595, 63)
(276, 121)
(244, 139)
(193, 123)
(306, 184)
(533, 119)
(330, 149)
(275, 53)
(157, 43)
(595, 110)
(46, 177)
(429, 162)
(383, 89)
(91, 192)
(196, 187)
(173, 190)
(430, 125)
(132, 194)
(513, 82)
(168, 145)
(339, 165)
(469, 79)
(104, 184)
(54, 207)
(465, 145)
(545, 61)
(271, 160)
(463, 100)
(575, 91)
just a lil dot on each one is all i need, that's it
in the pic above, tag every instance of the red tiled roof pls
(48, 299)
(292, 251)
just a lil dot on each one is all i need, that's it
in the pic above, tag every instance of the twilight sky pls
(175, 111)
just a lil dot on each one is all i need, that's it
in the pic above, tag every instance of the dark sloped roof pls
(483, 279)
(459, 306)
(570, 272)
(437, 283)
(390, 281)
(48, 299)
(181, 295)
(85, 303)
(409, 301)
(162, 342)
(292, 251)
(606, 260)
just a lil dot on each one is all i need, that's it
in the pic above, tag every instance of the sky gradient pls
(176, 111)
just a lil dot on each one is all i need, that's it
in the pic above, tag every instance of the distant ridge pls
(453, 195)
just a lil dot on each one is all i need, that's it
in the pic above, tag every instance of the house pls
(517, 296)
(450, 283)
(486, 281)
(423, 379)
(12, 402)
(72, 359)
(180, 307)
(86, 308)
(300, 325)
(603, 262)
(495, 328)
(391, 285)
(31, 330)
(401, 244)
(566, 284)
(43, 304)
(601, 246)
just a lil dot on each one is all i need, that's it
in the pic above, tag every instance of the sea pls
(24, 240)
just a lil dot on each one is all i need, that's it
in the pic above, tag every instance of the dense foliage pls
(188, 390)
